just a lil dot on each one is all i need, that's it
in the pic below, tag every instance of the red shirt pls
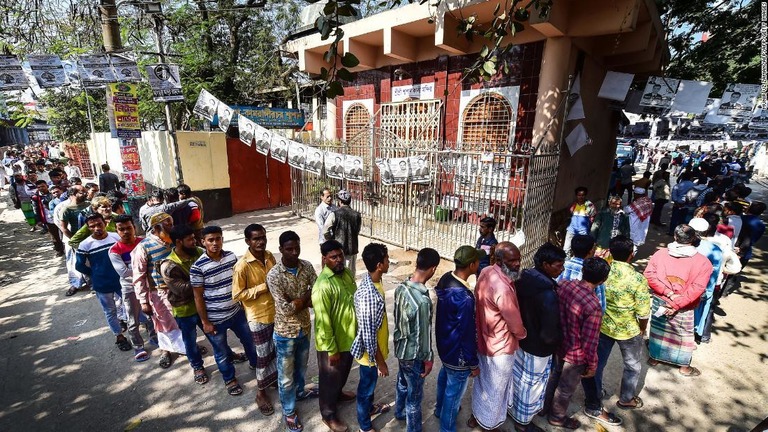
(580, 319)
(499, 326)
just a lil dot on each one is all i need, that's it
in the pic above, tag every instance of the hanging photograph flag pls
(314, 160)
(279, 148)
(576, 105)
(659, 92)
(615, 86)
(297, 154)
(353, 168)
(385, 173)
(47, 70)
(334, 165)
(691, 96)
(95, 71)
(247, 130)
(12, 77)
(263, 138)
(70, 70)
(165, 82)
(124, 68)
(738, 100)
(419, 167)
(206, 105)
(225, 114)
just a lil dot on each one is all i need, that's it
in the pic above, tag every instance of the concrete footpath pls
(60, 369)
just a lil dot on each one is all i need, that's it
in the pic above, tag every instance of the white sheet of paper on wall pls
(577, 108)
(691, 96)
(577, 139)
(615, 86)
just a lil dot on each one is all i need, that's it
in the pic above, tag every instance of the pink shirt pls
(499, 326)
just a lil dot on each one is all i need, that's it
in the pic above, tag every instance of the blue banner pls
(268, 117)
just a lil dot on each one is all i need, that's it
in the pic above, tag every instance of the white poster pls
(225, 114)
(12, 77)
(95, 70)
(691, 96)
(576, 112)
(399, 169)
(314, 160)
(738, 100)
(247, 129)
(709, 115)
(353, 168)
(165, 81)
(297, 154)
(47, 70)
(384, 172)
(206, 105)
(659, 92)
(263, 137)
(577, 139)
(279, 148)
(615, 86)
(334, 165)
(759, 119)
(413, 92)
(125, 69)
(419, 169)
(70, 70)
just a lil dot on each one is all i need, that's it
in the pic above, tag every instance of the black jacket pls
(540, 311)
(346, 228)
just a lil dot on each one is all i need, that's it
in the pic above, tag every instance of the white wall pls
(157, 163)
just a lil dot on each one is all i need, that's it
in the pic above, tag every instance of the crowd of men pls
(527, 337)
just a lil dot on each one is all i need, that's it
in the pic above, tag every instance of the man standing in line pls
(249, 287)
(335, 329)
(69, 223)
(678, 276)
(487, 241)
(211, 279)
(93, 259)
(610, 222)
(628, 307)
(41, 199)
(583, 213)
(74, 277)
(456, 334)
(120, 256)
(626, 171)
(413, 343)
(107, 181)
(499, 331)
(343, 225)
(195, 206)
(156, 247)
(322, 211)
(539, 309)
(290, 283)
(580, 318)
(371, 345)
(72, 170)
(680, 204)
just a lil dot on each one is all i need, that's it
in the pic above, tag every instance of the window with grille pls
(357, 120)
(322, 111)
(487, 124)
(412, 120)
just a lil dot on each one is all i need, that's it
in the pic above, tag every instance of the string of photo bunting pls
(414, 169)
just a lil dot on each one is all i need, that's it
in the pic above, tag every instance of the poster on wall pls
(467, 169)
(134, 183)
(206, 105)
(247, 130)
(47, 70)
(263, 139)
(419, 169)
(11, 75)
(384, 172)
(399, 169)
(659, 92)
(123, 99)
(314, 160)
(334, 165)
(297, 154)
(738, 100)
(759, 118)
(279, 148)
(353, 168)
(129, 154)
(225, 114)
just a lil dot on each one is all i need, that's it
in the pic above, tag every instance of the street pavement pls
(60, 369)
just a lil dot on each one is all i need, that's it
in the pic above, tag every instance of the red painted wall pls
(253, 186)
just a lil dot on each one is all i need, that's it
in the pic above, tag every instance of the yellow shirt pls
(249, 286)
(382, 336)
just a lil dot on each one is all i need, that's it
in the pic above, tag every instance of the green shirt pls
(413, 321)
(627, 299)
(84, 232)
(189, 309)
(333, 300)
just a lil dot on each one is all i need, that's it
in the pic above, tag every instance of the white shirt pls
(638, 229)
(321, 215)
(73, 171)
(735, 222)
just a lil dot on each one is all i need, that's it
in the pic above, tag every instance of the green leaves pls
(349, 60)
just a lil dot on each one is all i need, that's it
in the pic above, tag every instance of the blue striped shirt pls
(92, 258)
(216, 279)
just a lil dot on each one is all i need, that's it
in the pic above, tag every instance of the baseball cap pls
(158, 218)
(466, 255)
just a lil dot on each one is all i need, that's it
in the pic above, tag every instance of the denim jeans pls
(221, 351)
(631, 353)
(112, 303)
(410, 391)
(188, 326)
(451, 385)
(369, 375)
(292, 359)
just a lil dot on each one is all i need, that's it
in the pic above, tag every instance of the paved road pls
(60, 370)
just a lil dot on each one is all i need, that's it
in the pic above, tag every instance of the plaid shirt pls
(572, 271)
(369, 311)
(580, 318)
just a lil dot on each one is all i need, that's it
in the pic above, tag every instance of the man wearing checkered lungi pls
(249, 286)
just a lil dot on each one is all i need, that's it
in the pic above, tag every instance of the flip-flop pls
(140, 355)
(379, 408)
(694, 372)
(166, 360)
(568, 423)
(70, 292)
(265, 409)
(201, 376)
(123, 344)
(306, 394)
(233, 388)
(202, 350)
(292, 423)
(638, 404)
(238, 358)
(612, 420)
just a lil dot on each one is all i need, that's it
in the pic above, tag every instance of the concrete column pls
(555, 67)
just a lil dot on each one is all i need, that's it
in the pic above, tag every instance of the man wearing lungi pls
(249, 286)
(678, 276)
(499, 330)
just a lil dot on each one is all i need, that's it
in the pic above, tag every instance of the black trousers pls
(331, 383)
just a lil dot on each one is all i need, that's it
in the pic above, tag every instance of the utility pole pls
(110, 28)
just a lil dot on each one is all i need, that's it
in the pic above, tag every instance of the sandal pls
(634, 404)
(306, 394)
(70, 292)
(201, 377)
(123, 344)
(379, 408)
(166, 360)
(612, 420)
(203, 350)
(292, 423)
(568, 423)
(694, 372)
(233, 388)
(265, 409)
(140, 355)
(238, 358)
